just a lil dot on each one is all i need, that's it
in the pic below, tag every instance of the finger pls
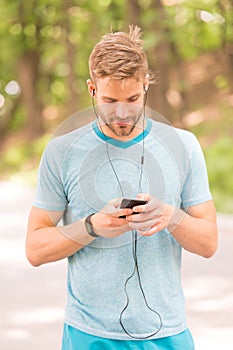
(140, 217)
(145, 196)
(150, 231)
(157, 227)
(154, 205)
(116, 202)
(140, 208)
(151, 203)
(112, 207)
(124, 212)
(148, 208)
(145, 225)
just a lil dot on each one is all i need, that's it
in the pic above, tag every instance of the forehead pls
(108, 85)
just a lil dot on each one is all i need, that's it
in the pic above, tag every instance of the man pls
(123, 289)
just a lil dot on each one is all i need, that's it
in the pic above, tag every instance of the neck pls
(118, 134)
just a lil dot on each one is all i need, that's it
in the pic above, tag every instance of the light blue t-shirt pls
(79, 173)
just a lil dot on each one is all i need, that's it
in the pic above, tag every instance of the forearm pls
(195, 234)
(194, 229)
(48, 244)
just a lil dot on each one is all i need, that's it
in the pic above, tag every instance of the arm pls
(46, 243)
(195, 230)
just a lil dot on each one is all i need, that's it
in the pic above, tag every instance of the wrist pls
(89, 227)
(176, 219)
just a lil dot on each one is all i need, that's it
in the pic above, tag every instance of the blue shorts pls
(73, 339)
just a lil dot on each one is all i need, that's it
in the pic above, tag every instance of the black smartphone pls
(130, 203)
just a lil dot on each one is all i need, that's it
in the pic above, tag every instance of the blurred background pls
(45, 45)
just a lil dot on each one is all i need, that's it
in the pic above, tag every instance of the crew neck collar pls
(123, 144)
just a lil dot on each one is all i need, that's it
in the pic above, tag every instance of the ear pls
(91, 87)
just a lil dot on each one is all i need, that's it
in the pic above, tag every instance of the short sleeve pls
(196, 187)
(50, 193)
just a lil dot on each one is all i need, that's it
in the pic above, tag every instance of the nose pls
(121, 110)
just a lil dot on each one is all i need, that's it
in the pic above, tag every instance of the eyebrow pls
(112, 99)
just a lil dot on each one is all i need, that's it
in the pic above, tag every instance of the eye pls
(133, 99)
(109, 100)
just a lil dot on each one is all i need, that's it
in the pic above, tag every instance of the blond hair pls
(119, 56)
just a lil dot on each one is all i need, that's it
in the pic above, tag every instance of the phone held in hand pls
(130, 203)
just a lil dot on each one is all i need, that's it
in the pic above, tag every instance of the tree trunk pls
(133, 12)
(28, 76)
(226, 10)
(160, 61)
(70, 59)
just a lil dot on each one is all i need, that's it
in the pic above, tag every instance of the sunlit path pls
(32, 299)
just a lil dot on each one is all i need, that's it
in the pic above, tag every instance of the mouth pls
(122, 123)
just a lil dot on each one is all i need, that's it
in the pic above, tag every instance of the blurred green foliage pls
(220, 166)
(45, 45)
(216, 137)
(21, 160)
(53, 30)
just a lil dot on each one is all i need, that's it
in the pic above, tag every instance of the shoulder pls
(173, 135)
(62, 143)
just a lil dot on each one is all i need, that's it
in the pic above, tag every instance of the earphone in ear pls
(145, 88)
(93, 92)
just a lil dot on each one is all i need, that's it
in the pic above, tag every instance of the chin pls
(122, 131)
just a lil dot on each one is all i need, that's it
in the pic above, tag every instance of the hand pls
(107, 223)
(152, 217)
